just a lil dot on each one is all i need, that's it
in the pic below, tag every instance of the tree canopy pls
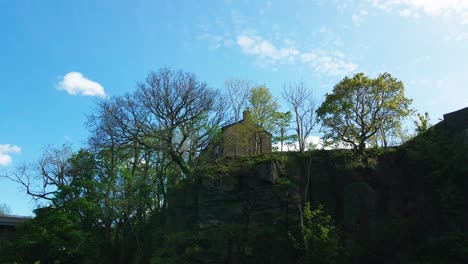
(359, 107)
(138, 193)
(263, 106)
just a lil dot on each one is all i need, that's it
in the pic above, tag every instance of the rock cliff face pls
(401, 196)
(234, 200)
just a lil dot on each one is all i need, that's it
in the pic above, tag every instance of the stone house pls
(240, 138)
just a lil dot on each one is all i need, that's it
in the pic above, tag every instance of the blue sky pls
(57, 58)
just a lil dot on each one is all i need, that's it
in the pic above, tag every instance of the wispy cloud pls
(416, 8)
(255, 45)
(329, 64)
(440, 95)
(277, 46)
(74, 83)
(266, 52)
(217, 41)
(5, 151)
(461, 36)
(358, 18)
(265, 8)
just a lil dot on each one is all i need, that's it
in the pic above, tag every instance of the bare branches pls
(171, 112)
(237, 96)
(302, 103)
(43, 179)
(184, 111)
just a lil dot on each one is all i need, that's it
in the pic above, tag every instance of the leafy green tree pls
(360, 107)
(263, 108)
(422, 124)
(52, 236)
(282, 122)
(320, 236)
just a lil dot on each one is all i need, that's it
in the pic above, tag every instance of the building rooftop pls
(11, 220)
(457, 119)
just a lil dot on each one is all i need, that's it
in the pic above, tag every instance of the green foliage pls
(271, 242)
(136, 195)
(284, 184)
(53, 237)
(443, 156)
(263, 107)
(422, 124)
(320, 236)
(360, 107)
(177, 247)
(282, 122)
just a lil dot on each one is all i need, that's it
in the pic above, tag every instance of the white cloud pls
(255, 45)
(333, 65)
(281, 48)
(319, 60)
(406, 12)
(443, 8)
(458, 37)
(464, 18)
(343, 5)
(358, 18)
(265, 8)
(5, 151)
(75, 83)
(217, 41)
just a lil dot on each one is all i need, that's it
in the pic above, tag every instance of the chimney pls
(246, 114)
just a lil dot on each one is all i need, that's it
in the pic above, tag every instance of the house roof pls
(239, 122)
(457, 119)
(11, 220)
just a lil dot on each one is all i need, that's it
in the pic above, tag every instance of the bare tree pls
(302, 103)
(4, 209)
(43, 179)
(237, 96)
(181, 112)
